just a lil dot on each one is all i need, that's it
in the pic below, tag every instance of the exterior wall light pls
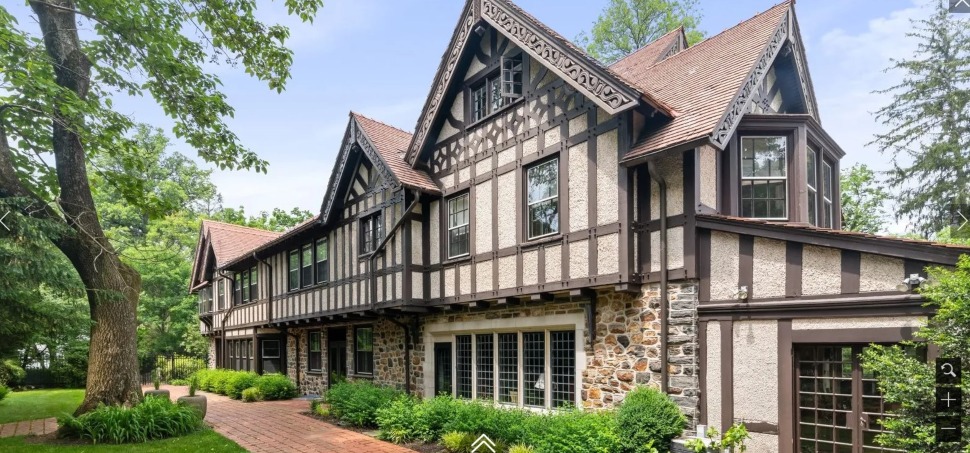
(909, 283)
(742, 293)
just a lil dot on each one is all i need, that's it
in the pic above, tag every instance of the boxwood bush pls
(239, 381)
(649, 419)
(275, 386)
(153, 418)
(357, 402)
(232, 383)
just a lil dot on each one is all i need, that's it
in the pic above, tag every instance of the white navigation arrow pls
(4, 216)
(483, 441)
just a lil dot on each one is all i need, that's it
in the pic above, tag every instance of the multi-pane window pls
(562, 370)
(322, 256)
(535, 369)
(314, 352)
(240, 354)
(508, 368)
(811, 178)
(534, 366)
(364, 350)
(222, 294)
(306, 265)
(253, 284)
(497, 90)
(371, 233)
(764, 177)
(458, 226)
(463, 365)
(827, 191)
(485, 362)
(542, 192)
(293, 270)
(271, 349)
(245, 286)
(236, 288)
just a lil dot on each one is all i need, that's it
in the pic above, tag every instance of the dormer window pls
(497, 90)
(764, 177)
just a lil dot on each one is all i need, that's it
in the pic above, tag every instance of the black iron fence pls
(170, 367)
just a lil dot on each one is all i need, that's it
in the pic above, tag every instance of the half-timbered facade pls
(556, 232)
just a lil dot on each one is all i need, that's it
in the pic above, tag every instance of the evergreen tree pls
(928, 124)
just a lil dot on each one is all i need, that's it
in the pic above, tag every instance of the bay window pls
(764, 177)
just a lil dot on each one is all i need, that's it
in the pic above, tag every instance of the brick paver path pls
(33, 427)
(279, 426)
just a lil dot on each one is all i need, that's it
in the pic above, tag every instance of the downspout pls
(383, 243)
(408, 345)
(662, 186)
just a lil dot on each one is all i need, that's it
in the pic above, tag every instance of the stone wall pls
(212, 352)
(310, 383)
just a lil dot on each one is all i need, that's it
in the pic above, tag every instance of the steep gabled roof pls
(293, 231)
(709, 83)
(384, 146)
(224, 242)
(607, 88)
(655, 52)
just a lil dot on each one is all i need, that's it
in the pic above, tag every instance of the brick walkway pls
(29, 427)
(279, 426)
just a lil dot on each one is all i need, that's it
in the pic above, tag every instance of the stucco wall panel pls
(608, 254)
(417, 257)
(506, 156)
(857, 323)
(506, 272)
(450, 282)
(482, 167)
(767, 443)
(483, 217)
(756, 370)
(553, 136)
(578, 192)
(879, 273)
(579, 259)
(506, 205)
(483, 276)
(464, 279)
(821, 270)
(713, 381)
(769, 260)
(577, 125)
(464, 175)
(435, 282)
(433, 235)
(553, 263)
(708, 176)
(530, 267)
(530, 146)
(607, 207)
(675, 249)
(724, 265)
(672, 170)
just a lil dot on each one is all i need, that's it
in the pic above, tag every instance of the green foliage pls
(648, 418)
(154, 418)
(627, 25)
(574, 430)
(181, 382)
(11, 374)
(275, 386)
(398, 422)
(157, 379)
(71, 369)
(193, 385)
(278, 220)
(252, 395)
(456, 442)
(4, 390)
(357, 402)
(928, 122)
(521, 448)
(907, 382)
(863, 198)
(732, 441)
(239, 381)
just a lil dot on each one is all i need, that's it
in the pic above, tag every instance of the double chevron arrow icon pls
(483, 441)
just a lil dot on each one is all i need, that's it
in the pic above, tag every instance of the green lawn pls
(34, 404)
(203, 441)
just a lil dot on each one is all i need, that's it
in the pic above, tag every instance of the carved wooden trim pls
(801, 66)
(596, 84)
(738, 107)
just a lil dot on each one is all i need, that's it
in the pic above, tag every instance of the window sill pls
(457, 259)
(554, 237)
(306, 288)
(361, 376)
(315, 372)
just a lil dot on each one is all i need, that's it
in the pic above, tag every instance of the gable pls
(785, 88)
(366, 179)
(587, 76)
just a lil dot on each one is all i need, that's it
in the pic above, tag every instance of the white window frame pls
(813, 189)
(528, 204)
(826, 196)
(763, 178)
(450, 227)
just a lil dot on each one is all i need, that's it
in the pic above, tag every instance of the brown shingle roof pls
(700, 82)
(392, 143)
(649, 54)
(233, 241)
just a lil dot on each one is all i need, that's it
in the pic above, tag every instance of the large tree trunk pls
(112, 286)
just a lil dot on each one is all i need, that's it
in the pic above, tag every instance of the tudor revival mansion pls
(556, 232)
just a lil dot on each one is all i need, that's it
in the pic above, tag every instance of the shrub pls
(505, 424)
(219, 381)
(4, 390)
(275, 386)
(11, 374)
(576, 431)
(432, 415)
(154, 418)
(71, 369)
(456, 442)
(398, 422)
(648, 417)
(252, 395)
(357, 402)
(521, 448)
(183, 382)
(239, 381)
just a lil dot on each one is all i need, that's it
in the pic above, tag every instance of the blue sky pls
(378, 57)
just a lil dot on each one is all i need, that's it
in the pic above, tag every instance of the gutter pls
(662, 185)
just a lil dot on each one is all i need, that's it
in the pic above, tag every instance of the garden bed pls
(420, 447)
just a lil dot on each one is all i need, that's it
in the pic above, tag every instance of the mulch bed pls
(420, 447)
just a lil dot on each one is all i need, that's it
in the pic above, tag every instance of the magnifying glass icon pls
(948, 366)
